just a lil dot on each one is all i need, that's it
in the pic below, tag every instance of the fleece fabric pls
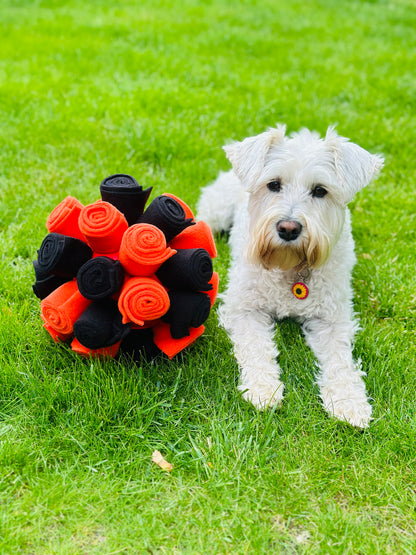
(186, 310)
(167, 214)
(187, 270)
(100, 325)
(61, 255)
(123, 192)
(100, 277)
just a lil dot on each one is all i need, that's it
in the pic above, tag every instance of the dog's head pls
(299, 187)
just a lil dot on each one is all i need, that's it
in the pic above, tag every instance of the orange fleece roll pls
(103, 226)
(188, 211)
(215, 282)
(171, 347)
(57, 337)
(198, 236)
(142, 299)
(62, 308)
(112, 255)
(64, 218)
(143, 250)
(110, 351)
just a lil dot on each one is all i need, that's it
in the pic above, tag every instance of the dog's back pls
(219, 201)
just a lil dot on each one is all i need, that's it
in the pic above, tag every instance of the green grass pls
(155, 89)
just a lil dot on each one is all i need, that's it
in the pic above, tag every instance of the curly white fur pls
(264, 266)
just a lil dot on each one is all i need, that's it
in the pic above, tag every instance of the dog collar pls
(299, 288)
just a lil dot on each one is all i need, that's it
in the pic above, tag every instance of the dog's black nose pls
(288, 230)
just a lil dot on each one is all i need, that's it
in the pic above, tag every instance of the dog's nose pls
(288, 230)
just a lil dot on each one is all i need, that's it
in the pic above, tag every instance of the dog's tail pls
(218, 202)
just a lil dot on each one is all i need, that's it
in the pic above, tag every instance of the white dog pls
(285, 201)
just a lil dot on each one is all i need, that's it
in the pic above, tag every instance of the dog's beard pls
(265, 248)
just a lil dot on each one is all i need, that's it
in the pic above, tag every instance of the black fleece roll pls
(43, 287)
(168, 215)
(61, 255)
(99, 278)
(123, 192)
(100, 325)
(139, 344)
(187, 270)
(40, 274)
(186, 310)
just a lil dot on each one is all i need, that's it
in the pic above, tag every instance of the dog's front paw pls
(263, 395)
(356, 412)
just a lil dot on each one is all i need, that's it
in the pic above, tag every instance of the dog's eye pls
(274, 185)
(319, 191)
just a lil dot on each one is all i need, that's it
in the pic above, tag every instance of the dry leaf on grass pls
(160, 461)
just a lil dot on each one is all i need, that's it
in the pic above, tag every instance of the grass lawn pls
(154, 89)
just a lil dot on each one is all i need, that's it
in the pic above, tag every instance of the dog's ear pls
(354, 166)
(248, 157)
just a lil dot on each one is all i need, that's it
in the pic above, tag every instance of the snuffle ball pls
(115, 276)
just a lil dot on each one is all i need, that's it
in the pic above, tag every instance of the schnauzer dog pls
(285, 202)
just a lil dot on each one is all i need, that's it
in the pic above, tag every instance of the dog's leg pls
(340, 380)
(252, 335)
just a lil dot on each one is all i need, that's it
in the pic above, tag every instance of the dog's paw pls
(263, 395)
(356, 412)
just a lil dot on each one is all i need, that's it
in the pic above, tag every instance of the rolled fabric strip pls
(39, 273)
(61, 255)
(112, 255)
(44, 287)
(215, 282)
(123, 192)
(139, 344)
(187, 270)
(100, 277)
(95, 353)
(188, 211)
(170, 346)
(57, 337)
(197, 236)
(142, 299)
(64, 218)
(147, 324)
(62, 308)
(186, 310)
(103, 226)
(100, 325)
(143, 250)
(168, 215)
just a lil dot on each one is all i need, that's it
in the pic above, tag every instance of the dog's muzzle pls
(288, 230)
